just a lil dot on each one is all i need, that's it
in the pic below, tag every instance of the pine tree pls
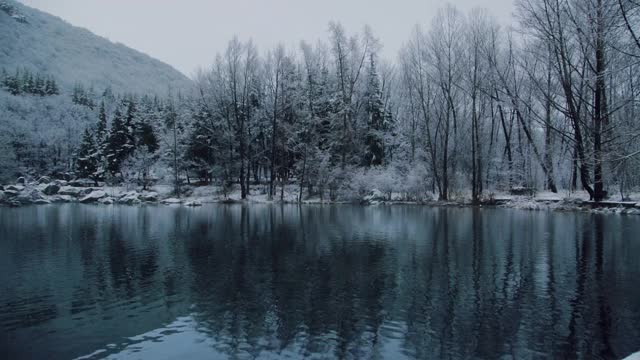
(117, 147)
(131, 126)
(374, 152)
(86, 163)
(101, 142)
(39, 85)
(14, 84)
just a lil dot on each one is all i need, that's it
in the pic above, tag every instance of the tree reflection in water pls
(336, 281)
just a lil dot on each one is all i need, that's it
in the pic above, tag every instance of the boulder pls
(69, 190)
(149, 197)
(82, 183)
(17, 188)
(29, 196)
(21, 181)
(93, 196)
(51, 189)
(172, 201)
(106, 201)
(86, 191)
(61, 198)
(193, 203)
(42, 201)
(11, 193)
(44, 180)
(129, 198)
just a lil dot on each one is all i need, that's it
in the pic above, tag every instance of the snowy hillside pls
(45, 43)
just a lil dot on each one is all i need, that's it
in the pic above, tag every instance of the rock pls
(51, 189)
(129, 198)
(193, 203)
(17, 188)
(42, 201)
(149, 197)
(82, 183)
(93, 196)
(44, 180)
(172, 201)
(21, 181)
(69, 190)
(106, 201)
(61, 198)
(29, 196)
(11, 193)
(86, 191)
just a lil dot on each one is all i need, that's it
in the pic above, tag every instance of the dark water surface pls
(260, 281)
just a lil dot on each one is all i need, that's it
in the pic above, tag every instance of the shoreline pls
(59, 192)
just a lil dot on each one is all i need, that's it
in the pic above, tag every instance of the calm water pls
(234, 281)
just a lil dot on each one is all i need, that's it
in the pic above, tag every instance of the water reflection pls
(339, 282)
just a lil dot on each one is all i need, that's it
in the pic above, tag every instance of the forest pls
(467, 108)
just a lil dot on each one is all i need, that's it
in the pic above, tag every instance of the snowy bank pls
(59, 191)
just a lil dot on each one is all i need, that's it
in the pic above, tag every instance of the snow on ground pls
(42, 193)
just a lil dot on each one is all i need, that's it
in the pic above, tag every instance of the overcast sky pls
(188, 33)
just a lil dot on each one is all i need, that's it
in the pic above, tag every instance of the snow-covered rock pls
(61, 198)
(149, 196)
(82, 183)
(51, 189)
(42, 201)
(106, 201)
(21, 181)
(17, 188)
(129, 198)
(69, 190)
(193, 203)
(93, 196)
(11, 193)
(87, 191)
(29, 196)
(172, 201)
(44, 180)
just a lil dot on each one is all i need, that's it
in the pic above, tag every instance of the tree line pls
(24, 81)
(468, 105)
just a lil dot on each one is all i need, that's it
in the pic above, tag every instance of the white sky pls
(188, 33)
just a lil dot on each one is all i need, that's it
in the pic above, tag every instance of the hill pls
(46, 44)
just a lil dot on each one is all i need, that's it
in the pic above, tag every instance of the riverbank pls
(45, 191)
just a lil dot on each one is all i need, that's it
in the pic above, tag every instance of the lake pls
(271, 281)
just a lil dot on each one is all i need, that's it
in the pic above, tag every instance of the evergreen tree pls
(131, 126)
(101, 142)
(374, 138)
(86, 162)
(117, 147)
(146, 136)
(14, 84)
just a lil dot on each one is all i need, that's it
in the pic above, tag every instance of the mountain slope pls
(47, 44)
